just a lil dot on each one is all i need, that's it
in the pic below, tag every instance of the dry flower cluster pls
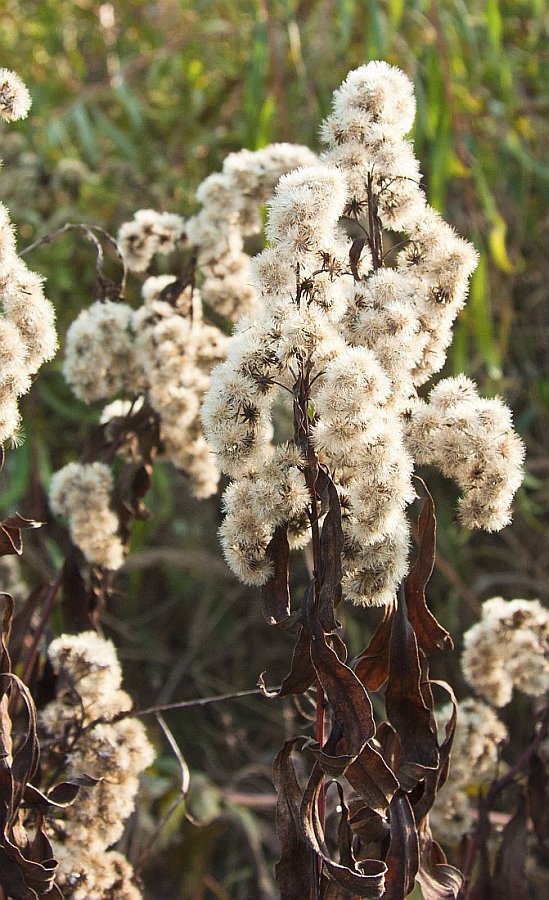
(365, 336)
(81, 741)
(27, 332)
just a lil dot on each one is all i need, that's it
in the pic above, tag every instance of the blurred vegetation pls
(135, 102)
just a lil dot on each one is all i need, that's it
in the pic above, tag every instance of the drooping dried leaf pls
(509, 879)
(403, 855)
(436, 778)
(372, 778)
(344, 832)
(429, 633)
(354, 255)
(275, 594)
(368, 881)
(27, 870)
(302, 672)
(11, 540)
(405, 704)
(372, 666)
(331, 550)
(367, 825)
(437, 879)
(293, 868)
(351, 705)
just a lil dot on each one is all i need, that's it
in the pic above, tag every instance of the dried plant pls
(344, 318)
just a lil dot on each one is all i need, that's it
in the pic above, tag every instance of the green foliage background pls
(134, 104)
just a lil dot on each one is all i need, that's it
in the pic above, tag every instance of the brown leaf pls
(293, 869)
(302, 672)
(372, 666)
(436, 778)
(405, 705)
(372, 779)
(403, 855)
(11, 540)
(351, 706)
(368, 825)
(437, 879)
(366, 881)
(354, 255)
(429, 633)
(331, 550)
(275, 594)
(509, 879)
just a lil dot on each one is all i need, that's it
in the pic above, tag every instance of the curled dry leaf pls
(27, 867)
(367, 879)
(429, 632)
(11, 540)
(405, 703)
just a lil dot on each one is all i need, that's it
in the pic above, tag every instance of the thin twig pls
(186, 704)
(183, 790)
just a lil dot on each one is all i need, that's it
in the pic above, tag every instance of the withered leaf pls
(331, 548)
(293, 868)
(344, 833)
(405, 705)
(351, 706)
(372, 778)
(372, 666)
(368, 825)
(7, 618)
(25, 754)
(429, 633)
(11, 540)
(509, 879)
(275, 594)
(354, 255)
(403, 855)
(436, 778)
(437, 879)
(302, 673)
(368, 881)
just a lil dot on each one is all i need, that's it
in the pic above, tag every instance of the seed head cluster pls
(112, 754)
(475, 754)
(81, 493)
(27, 330)
(368, 335)
(508, 648)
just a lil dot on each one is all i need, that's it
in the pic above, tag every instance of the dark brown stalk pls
(47, 610)
(303, 439)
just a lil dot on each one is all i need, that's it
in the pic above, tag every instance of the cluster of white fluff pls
(149, 233)
(475, 754)
(370, 336)
(354, 430)
(27, 331)
(81, 492)
(470, 439)
(231, 211)
(508, 648)
(231, 202)
(15, 100)
(164, 351)
(114, 753)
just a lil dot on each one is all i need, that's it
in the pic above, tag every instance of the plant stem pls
(303, 439)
